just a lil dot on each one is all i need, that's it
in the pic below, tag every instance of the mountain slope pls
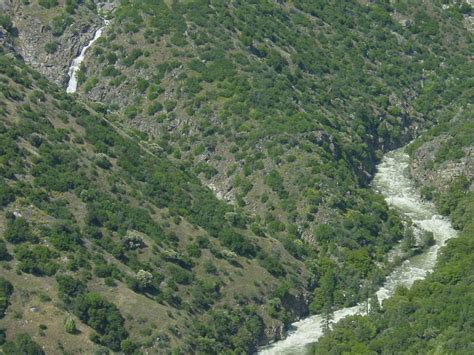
(282, 108)
(88, 211)
(435, 314)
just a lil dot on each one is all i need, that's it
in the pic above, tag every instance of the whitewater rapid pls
(76, 63)
(393, 182)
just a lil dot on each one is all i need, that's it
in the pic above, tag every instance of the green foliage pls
(154, 108)
(301, 95)
(128, 346)
(103, 317)
(6, 290)
(272, 264)
(225, 329)
(60, 23)
(68, 286)
(65, 237)
(79, 211)
(180, 275)
(71, 5)
(70, 325)
(6, 193)
(407, 322)
(132, 57)
(237, 242)
(6, 22)
(275, 181)
(48, 3)
(37, 260)
(170, 105)
(205, 293)
(51, 47)
(23, 344)
(18, 230)
(4, 255)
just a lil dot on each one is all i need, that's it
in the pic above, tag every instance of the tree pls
(374, 304)
(102, 316)
(128, 346)
(3, 250)
(18, 230)
(6, 195)
(68, 286)
(6, 289)
(144, 278)
(327, 316)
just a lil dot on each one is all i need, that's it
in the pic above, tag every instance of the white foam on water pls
(76, 63)
(392, 181)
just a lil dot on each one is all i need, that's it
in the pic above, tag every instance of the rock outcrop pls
(51, 54)
(426, 173)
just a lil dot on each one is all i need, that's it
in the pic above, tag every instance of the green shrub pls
(132, 57)
(65, 237)
(68, 286)
(170, 105)
(48, 3)
(272, 264)
(6, 22)
(6, 194)
(6, 290)
(37, 260)
(3, 250)
(154, 108)
(131, 112)
(51, 47)
(23, 344)
(180, 275)
(18, 231)
(237, 243)
(128, 346)
(104, 317)
(60, 23)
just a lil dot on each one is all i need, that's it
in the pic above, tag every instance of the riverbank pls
(400, 192)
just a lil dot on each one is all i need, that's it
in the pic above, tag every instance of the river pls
(393, 182)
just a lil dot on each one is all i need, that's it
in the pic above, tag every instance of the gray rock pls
(33, 35)
(5, 5)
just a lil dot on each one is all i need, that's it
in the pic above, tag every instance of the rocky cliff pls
(427, 172)
(49, 39)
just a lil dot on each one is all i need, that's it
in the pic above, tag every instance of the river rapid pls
(393, 182)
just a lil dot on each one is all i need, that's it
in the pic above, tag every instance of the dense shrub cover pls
(284, 107)
(434, 315)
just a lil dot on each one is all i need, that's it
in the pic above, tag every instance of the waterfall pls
(76, 63)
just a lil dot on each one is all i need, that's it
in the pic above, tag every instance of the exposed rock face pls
(274, 333)
(423, 171)
(34, 34)
(3, 34)
(276, 330)
(5, 5)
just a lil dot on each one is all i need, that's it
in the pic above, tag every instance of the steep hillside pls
(283, 108)
(435, 314)
(92, 222)
(210, 178)
(49, 37)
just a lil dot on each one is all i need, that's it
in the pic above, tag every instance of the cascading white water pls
(393, 182)
(76, 63)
